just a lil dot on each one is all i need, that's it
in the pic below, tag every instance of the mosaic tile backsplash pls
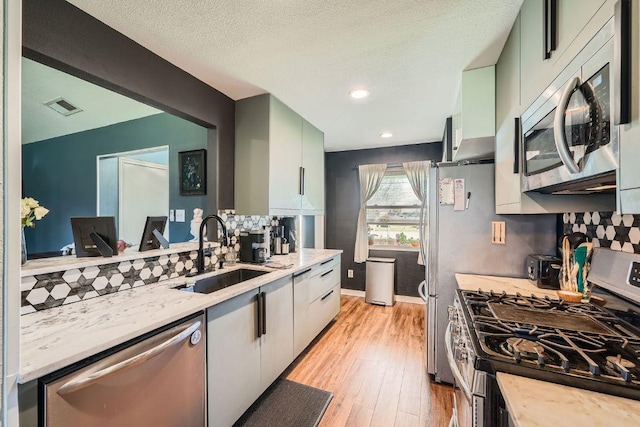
(43, 291)
(606, 229)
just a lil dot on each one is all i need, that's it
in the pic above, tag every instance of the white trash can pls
(380, 281)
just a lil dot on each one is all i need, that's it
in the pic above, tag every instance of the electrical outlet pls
(634, 274)
(350, 273)
(498, 232)
(180, 215)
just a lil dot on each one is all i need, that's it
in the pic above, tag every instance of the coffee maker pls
(254, 246)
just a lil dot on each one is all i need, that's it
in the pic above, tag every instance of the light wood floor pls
(373, 360)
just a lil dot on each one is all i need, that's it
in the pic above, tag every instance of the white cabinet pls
(474, 116)
(510, 80)
(277, 338)
(279, 160)
(250, 343)
(233, 358)
(316, 296)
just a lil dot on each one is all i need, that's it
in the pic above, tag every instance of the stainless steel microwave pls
(569, 142)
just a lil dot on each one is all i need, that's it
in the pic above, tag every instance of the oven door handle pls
(559, 135)
(454, 367)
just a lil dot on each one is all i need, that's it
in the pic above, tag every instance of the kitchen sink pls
(221, 281)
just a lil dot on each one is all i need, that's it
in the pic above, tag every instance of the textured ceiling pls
(310, 54)
(100, 107)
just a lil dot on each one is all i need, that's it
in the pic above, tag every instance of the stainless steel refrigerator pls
(460, 242)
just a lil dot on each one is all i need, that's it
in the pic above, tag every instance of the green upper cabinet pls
(285, 154)
(313, 169)
(577, 22)
(512, 81)
(629, 178)
(279, 163)
(474, 118)
(507, 109)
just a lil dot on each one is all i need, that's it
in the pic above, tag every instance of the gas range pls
(576, 344)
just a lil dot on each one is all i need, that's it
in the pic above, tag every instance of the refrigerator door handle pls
(421, 290)
(84, 381)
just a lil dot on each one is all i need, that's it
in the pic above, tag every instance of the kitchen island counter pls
(535, 403)
(54, 338)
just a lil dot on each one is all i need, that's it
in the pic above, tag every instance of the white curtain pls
(370, 179)
(418, 174)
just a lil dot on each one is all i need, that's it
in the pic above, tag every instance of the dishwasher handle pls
(79, 383)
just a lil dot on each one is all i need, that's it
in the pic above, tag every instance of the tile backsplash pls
(606, 229)
(43, 291)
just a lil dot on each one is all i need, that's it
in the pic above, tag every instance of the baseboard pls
(399, 298)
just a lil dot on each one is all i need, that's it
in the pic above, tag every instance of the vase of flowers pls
(30, 212)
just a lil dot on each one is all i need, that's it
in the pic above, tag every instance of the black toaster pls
(544, 271)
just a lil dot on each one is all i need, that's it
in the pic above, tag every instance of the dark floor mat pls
(287, 404)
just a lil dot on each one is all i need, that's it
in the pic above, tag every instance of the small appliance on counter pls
(290, 232)
(277, 240)
(253, 246)
(544, 271)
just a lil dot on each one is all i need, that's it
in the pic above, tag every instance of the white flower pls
(40, 212)
(31, 211)
(24, 210)
(30, 202)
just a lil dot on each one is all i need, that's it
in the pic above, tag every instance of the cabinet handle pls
(264, 313)
(301, 180)
(259, 296)
(550, 27)
(324, 274)
(327, 295)
(301, 273)
(622, 61)
(326, 262)
(516, 147)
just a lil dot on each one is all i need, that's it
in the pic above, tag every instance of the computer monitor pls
(152, 235)
(94, 236)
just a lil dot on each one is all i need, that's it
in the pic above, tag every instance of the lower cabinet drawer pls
(323, 310)
(320, 284)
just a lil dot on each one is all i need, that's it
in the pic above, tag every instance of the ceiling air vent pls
(62, 106)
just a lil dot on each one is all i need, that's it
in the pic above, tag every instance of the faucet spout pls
(225, 240)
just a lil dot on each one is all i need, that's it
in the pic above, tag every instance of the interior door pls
(143, 191)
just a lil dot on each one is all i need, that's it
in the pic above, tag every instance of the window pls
(393, 213)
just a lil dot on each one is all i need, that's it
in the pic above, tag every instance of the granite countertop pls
(55, 338)
(535, 403)
(473, 282)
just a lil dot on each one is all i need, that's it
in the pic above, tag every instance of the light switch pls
(179, 215)
(498, 232)
(172, 215)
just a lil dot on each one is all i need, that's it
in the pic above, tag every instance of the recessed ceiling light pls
(359, 93)
(386, 135)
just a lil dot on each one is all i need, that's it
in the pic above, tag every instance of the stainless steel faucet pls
(225, 241)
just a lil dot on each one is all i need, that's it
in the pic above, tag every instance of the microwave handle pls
(558, 126)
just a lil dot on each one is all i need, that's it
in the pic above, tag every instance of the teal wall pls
(61, 173)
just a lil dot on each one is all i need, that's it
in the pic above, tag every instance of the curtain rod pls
(389, 166)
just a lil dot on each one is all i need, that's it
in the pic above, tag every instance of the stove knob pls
(463, 354)
(453, 313)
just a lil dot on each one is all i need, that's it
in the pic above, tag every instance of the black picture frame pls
(193, 172)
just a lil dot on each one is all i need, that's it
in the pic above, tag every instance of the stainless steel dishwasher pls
(159, 381)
